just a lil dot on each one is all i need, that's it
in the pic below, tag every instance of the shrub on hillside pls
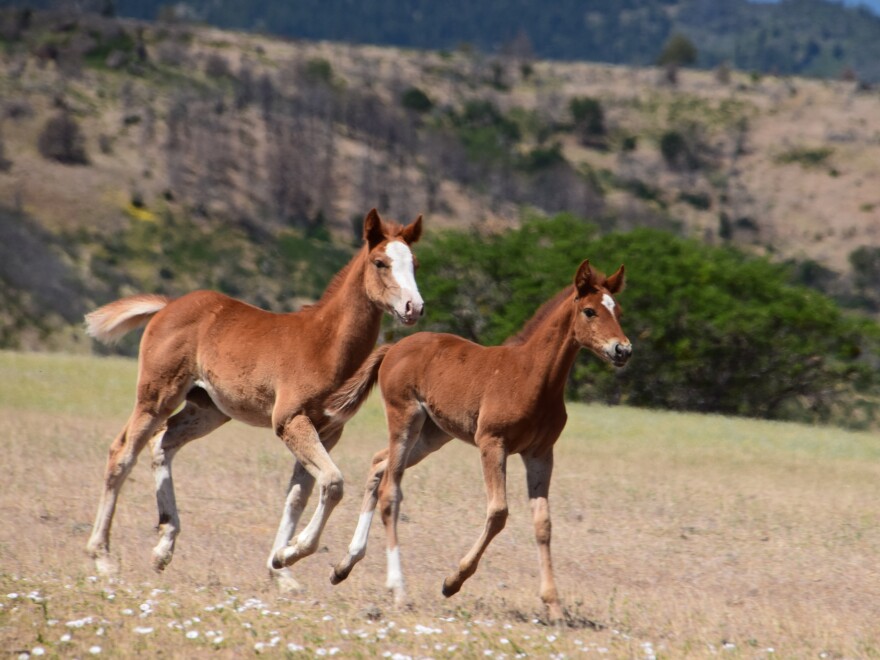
(62, 139)
(416, 100)
(589, 120)
(713, 329)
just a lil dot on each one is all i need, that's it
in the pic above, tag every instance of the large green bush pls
(713, 329)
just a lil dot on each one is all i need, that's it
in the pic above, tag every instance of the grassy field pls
(674, 536)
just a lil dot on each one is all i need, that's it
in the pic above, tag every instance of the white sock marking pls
(359, 540)
(395, 574)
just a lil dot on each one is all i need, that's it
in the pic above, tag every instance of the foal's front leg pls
(298, 492)
(300, 436)
(538, 472)
(493, 456)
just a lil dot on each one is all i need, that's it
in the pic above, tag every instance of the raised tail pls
(346, 401)
(109, 323)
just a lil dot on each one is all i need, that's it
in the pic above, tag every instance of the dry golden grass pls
(674, 536)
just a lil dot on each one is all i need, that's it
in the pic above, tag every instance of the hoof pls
(105, 566)
(555, 614)
(286, 583)
(160, 561)
(449, 589)
(337, 576)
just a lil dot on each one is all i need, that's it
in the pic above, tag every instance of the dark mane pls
(543, 312)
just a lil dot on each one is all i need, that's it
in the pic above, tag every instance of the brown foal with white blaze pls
(503, 399)
(224, 359)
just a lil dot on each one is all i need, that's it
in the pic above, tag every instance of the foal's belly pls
(251, 405)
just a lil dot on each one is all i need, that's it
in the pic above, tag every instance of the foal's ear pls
(585, 279)
(374, 232)
(413, 231)
(616, 282)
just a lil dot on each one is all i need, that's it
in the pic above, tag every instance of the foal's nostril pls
(422, 311)
(623, 350)
(409, 308)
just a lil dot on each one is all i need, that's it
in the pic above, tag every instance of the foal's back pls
(238, 353)
(467, 389)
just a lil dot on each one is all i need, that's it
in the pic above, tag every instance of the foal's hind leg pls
(298, 492)
(538, 472)
(430, 440)
(197, 418)
(494, 460)
(124, 450)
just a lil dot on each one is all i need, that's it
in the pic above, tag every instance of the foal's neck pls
(349, 320)
(551, 347)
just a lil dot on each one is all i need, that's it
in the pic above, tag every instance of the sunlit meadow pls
(674, 536)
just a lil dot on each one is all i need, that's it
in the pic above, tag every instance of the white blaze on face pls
(609, 303)
(403, 272)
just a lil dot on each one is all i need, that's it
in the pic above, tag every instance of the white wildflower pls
(141, 630)
(95, 650)
(38, 650)
(192, 634)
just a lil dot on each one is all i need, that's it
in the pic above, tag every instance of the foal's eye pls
(589, 312)
(380, 264)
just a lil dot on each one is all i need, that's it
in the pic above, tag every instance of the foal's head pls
(597, 322)
(390, 275)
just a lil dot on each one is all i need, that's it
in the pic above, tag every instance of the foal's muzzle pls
(412, 312)
(619, 353)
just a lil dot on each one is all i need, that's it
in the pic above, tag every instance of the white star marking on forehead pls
(609, 303)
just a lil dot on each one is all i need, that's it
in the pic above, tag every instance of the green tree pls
(678, 51)
(714, 330)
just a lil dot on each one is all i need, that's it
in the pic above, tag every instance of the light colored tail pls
(346, 401)
(109, 323)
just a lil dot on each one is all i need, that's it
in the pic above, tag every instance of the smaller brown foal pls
(502, 399)
(222, 359)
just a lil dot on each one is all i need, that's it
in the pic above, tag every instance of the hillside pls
(240, 162)
(803, 37)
